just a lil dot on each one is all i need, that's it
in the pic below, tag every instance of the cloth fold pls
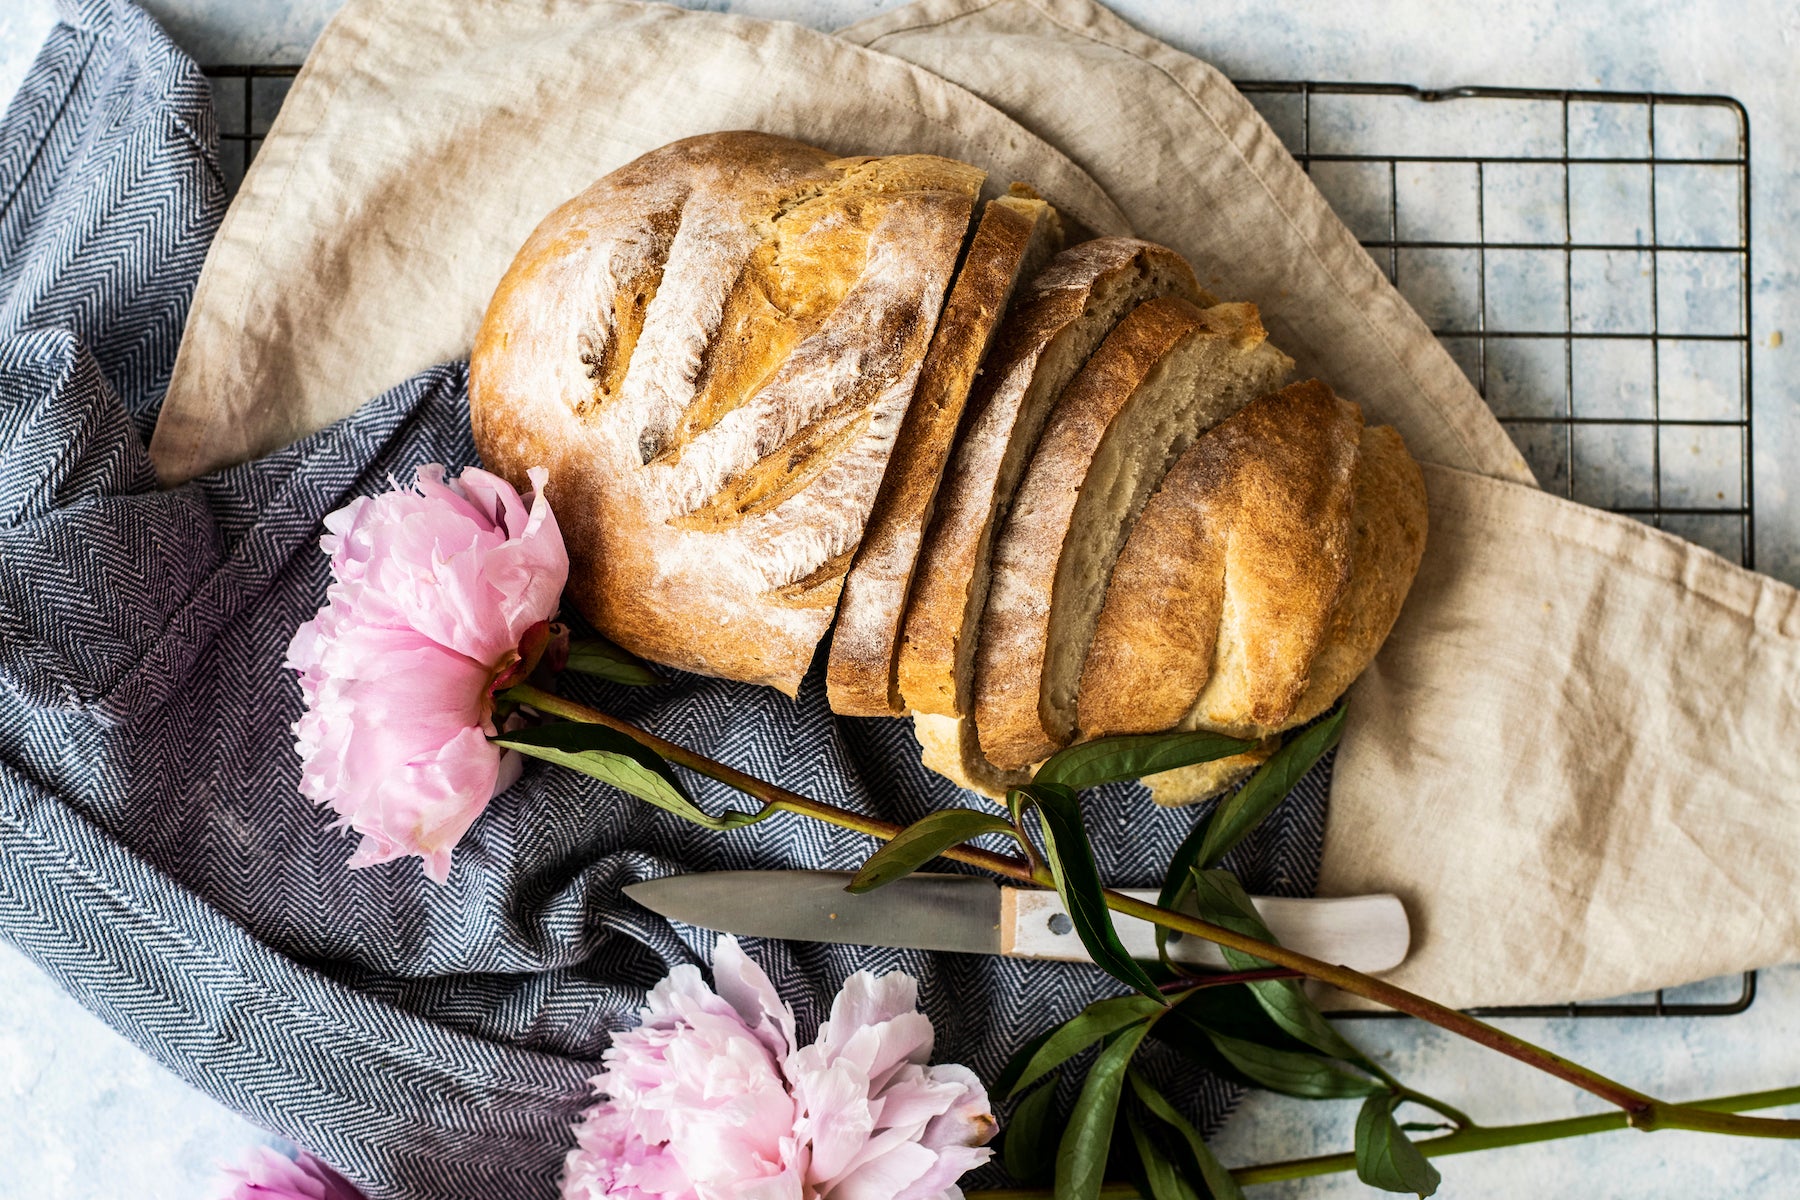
(156, 858)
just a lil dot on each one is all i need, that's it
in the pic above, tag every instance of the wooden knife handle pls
(1365, 933)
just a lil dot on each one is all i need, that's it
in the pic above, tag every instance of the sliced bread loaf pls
(1016, 236)
(1168, 372)
(1063, 314)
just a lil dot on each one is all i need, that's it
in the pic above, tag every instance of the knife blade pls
(967, 914)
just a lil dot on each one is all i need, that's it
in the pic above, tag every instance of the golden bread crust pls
(1221, 598)
(1390, 521)
(711, 349)
(1389, 525)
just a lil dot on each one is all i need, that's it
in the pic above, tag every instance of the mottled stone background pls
(84, 1116)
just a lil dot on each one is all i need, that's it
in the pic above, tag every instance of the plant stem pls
(1193, 983)
(1640, 1111)
(772, 796)
(1457, 1116)
(1463, 1141)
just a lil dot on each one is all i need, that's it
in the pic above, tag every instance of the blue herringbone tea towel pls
(155, 857)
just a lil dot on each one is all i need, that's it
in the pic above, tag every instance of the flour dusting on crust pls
(711, 350)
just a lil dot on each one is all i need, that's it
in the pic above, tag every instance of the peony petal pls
(785, 1186)
(939, 1183)
(266, 1175)
(970, 1120)
(866, 1001)
(912, 1100)
(836, 1118)
(433, 587)
(744, 985)
(880, 1050)
(704, 1101)
(885, 1176)
(426, 805)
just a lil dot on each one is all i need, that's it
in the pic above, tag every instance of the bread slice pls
(1017, 234)
(1223, 593)
(711, 350)
(1168, 372)
(1062, 316)
(949, 746)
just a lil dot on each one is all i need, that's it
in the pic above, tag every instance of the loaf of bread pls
(1016, 236)
(712, 350)
(1046, 496)
(1165, 374)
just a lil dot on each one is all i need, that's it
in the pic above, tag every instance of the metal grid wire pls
(1585, 256)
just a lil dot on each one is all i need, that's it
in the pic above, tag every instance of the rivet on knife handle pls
(1366, 933)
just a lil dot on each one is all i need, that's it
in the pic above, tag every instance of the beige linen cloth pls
(1578, 757)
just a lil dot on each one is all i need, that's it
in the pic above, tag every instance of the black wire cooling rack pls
(1585, 256)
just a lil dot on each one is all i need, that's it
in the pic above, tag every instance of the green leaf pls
(1071, 860)
(1292, 1073)
(1026, 1151)
(1132, 756)
(1231, 1010)
(921, 842)
(1234, 1011)
(1017, 801)
(1218, 1180)
(1384, 1157)
(1160, 1174)
(1097, 1021)
(1237, 814)
(1244, 809)
(596, 656)
(611, 757)
(1180, 880)
(1222, 901)
(1014, 1070)
(1081, 1158)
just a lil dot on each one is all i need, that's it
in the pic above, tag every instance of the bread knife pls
(968, 914)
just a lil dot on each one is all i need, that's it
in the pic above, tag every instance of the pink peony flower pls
(709, 1099)
(440, 595)
(267, 1175)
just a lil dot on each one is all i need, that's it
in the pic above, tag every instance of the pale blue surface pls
(84, 1115)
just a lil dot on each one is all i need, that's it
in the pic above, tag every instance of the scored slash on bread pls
(1166, 373)
(1064, 314)
(1016, 235)
(712, 349)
